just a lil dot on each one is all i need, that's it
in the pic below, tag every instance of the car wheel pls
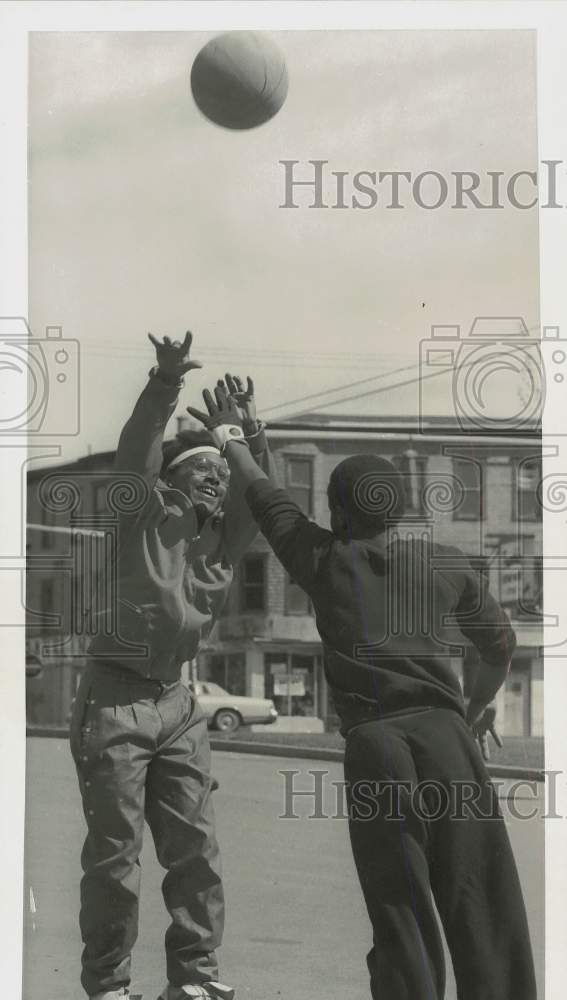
(227, 721)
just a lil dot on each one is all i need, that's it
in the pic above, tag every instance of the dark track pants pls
(466, 863)
(141, 750)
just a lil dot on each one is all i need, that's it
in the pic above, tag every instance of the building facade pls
(478, 492)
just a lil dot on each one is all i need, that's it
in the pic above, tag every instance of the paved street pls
(296, 925)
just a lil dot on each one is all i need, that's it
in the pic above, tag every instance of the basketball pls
(239, 79)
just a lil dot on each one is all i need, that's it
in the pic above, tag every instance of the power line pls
(233, 350)
(363, 395)
(243, 352)
(341, 388)
(255, 351)
(374, 392)
(381, 375)
(258, 363)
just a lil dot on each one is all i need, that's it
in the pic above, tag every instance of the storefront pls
(291, 673)
(294, 681)
(519, 701)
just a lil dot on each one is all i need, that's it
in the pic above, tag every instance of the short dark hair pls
(369, 490)
(179, 444)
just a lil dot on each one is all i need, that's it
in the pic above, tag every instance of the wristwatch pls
(175, 381)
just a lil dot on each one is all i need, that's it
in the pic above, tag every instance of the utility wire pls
(341, 388)
(397, 385)
(231, 349)
(371, 392)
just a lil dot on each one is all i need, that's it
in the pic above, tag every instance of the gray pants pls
(142, 752)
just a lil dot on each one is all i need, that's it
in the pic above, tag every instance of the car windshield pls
(213, 688)
(202, 687)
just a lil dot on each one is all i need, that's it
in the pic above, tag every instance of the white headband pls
(192, 451)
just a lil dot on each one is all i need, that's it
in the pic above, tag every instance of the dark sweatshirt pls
(170, 579)
(384, 607)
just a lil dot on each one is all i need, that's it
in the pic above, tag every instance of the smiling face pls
(204, 480)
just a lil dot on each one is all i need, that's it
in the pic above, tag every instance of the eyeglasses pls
(207, 465)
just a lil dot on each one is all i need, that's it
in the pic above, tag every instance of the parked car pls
(227, 712)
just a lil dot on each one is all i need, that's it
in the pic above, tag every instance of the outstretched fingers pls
(236, 385)
(182, 346)
(209, 402)
(232, 383)
(496, 737)
(221, 397)
(203, 418)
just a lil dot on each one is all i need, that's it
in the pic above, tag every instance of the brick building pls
(473, 490)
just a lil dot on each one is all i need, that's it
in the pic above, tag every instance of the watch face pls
(235, 431)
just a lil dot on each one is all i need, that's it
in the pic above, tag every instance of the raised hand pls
(222, 409)
(233, 386)
(173, 356)
(481, 726)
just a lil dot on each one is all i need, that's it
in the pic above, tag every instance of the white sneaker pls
(198, 991)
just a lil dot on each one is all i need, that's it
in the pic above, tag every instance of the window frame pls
(244, 586)
(309, 461)
(480, 513)
(517, 515)
(402, 463)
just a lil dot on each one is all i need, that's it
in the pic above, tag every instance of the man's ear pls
(338, 518)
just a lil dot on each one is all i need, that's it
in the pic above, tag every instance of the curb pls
(304, 753)
(329, 753)
(57, 732)
(276, 749)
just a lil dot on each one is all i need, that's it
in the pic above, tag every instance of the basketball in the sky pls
(239, 79)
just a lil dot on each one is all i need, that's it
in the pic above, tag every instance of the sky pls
(145, 216)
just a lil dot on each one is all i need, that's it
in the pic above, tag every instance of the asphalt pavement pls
(296, 924)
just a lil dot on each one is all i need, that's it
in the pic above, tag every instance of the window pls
(296, 600)
(413, 470)
(252, 583)
(469, 477)
(292, 683)
(299, 482)
(228, 670)
(481, 564)
(526, 503)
